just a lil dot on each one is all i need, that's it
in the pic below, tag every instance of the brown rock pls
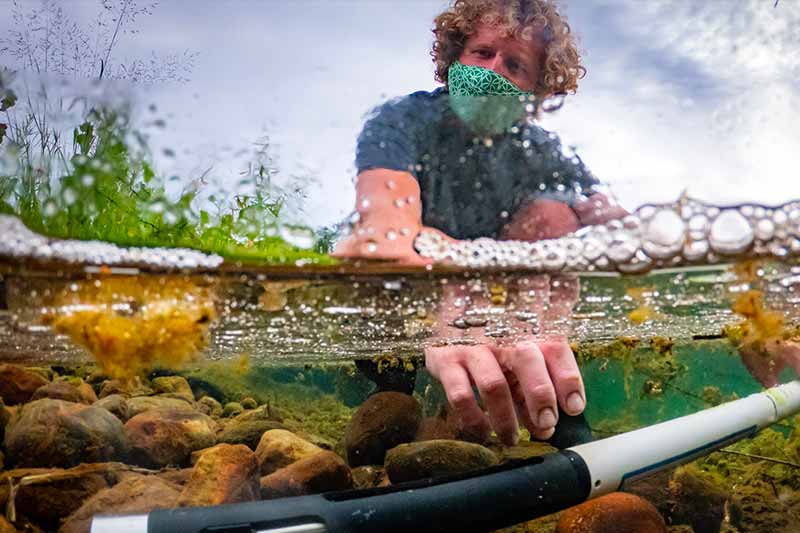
(617, 512)
(5, 417)
(174, 386)
(17, 384)
(696, 500)
(247, 432)
(177, 476)
(128, 389)
(419, 460)
(116, 405)
(58, 493)
(382, 422)
(164, 437)
(140, 404)
(279, 447)
(226, 473)
(55, 433)
(61, 390)
(367, 477)
(209, 406)
(135, 494)
(322, 472)
(248, 403)
(5, 526)
(232, 409)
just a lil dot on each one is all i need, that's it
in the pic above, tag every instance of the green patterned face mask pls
(485, 100)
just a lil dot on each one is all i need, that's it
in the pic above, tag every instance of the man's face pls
(518, 60)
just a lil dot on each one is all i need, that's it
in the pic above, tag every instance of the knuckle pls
(493, 386)
(543, 393)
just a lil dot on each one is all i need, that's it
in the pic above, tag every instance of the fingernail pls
(547, 418)
(575, 403)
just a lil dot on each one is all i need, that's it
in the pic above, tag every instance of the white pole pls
(617, 460)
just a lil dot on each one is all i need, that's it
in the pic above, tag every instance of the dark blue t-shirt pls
(471, 185)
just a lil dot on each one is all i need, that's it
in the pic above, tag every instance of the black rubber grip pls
(482, 501)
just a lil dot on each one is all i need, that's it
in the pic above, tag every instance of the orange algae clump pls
(760, 324)
(132, 324)
(644, 311)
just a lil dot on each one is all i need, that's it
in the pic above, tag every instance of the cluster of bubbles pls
(18, 242)
(655, 236)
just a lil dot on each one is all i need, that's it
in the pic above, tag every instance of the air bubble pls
(391, 235)
(391, 185)
(87, 180)
(765, 229)
(399, 202)
(730, 233)
(664, 234)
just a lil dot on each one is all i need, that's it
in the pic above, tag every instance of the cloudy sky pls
(701, 96)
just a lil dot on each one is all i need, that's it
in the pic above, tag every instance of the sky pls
(679, 95)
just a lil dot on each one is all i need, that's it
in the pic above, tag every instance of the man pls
(468, 160)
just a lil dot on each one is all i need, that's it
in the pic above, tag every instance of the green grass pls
(105, 190)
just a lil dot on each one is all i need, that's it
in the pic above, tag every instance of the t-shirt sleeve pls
(559, 173)
(389, 138)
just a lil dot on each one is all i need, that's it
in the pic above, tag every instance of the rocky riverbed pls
(76, 443)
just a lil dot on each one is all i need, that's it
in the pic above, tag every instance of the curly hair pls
(561, 67)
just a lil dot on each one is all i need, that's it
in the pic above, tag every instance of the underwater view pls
(248, 286)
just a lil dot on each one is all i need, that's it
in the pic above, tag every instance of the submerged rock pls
(367, 477)
(226, 473)
(322, 472)
(116, 405)
(232, 409)
(173, 387)
(127, 388)
(696, 500)
(134, 494)
(249, 403)
(617, 512)
(54, 494)
(382, 422)
(5, 417)
(17, 384)
(140, 404)
(279, 448)
(247, 432)
(61, 390)
(209, 406)
(163, 437)
(418, 460)
(6, 526)
(55, 433)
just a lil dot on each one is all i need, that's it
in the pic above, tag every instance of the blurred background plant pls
(74, 165)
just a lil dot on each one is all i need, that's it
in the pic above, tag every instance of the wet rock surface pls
(140, 404)
(418, 460)
(321, 472)
(382, 422)
(116, 405)
(61, 390)
(18, 384)
(173, 387)
(55, 433)
(135, 494)
(50, 495)
(279, 448)
(247, 432)
(617, 512)
(225, 473)
(166, 437)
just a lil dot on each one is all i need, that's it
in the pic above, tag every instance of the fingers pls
(528, 364)
(446, 364)
(494, 390)
(565, 375)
